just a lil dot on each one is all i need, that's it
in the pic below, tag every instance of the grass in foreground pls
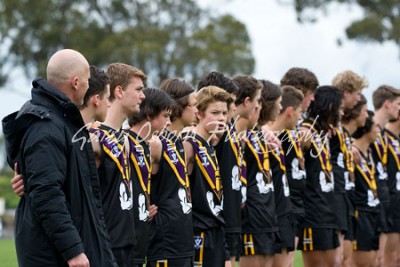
(9, 258)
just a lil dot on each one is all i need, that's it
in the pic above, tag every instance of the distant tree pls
(380, 23)
(165, 38)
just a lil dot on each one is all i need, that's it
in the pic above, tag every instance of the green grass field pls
(9, 259)
(7, 253)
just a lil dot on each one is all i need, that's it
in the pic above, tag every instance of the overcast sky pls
(280, 43)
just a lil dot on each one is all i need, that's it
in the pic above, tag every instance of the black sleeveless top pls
(140, 176)
(229, 154)
(206, 186)
(319, 196)
(116, 187)
(393, 171)
(365, 192)
(340, 147)
(281, 186)
(172, 228)
(295, 172)
(258, 214)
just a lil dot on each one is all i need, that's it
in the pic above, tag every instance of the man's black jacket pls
(60, 214)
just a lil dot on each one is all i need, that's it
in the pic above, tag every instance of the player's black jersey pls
(340, 147)
(116, 186)
(229, 154)
(171, 233)
(206, 186)
(365, 192)
(319, 196)
(393, 171)
(295, 169)
(141, 177)
(379, 151)
(281, 187)
(258, 214)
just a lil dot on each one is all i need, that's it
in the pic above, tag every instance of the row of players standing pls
(267, 202)
(251, 204)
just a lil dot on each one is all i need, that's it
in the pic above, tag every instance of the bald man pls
(59, 220)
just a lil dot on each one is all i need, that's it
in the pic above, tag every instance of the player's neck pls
(362, 144)
(143, 130)
(115, 117)
(394, 128)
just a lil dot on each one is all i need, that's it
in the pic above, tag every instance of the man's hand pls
(17, 183)
(79, 261)
(153, 209)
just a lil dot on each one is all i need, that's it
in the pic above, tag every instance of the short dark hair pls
(156, 101)
(326, 105)
(369, 122)
(352, 113)
(383, 93)
(300, 78)
(291, 97)
(269, 95)
(97, 84)
(218, 79)
(179, 90)
(248, 87)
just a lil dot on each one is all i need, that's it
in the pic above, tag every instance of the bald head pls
(65, 64)
(66, 70)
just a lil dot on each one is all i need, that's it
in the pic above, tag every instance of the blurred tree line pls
(165, 38)
(380, 21)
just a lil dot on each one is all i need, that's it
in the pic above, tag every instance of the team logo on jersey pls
(185, 202)
(115, 150)
(256, 146)
(204, 159)
(125, 196)
(141, 162)
(382, 175)
(198, 242)
(143, 212)
(215, 209)
(174, 157)
(263, 187)
(236, 183)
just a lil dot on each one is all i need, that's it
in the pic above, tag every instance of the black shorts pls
(366, 236)
(351, 228)
(286, 233)
(233, 244)
(342, 211)
(395, 226)
(297, 221)
(313, 239)
(209, 247)
(260, 243)
(124, 256)
(384, 220)
(394, 214)
(179, 262)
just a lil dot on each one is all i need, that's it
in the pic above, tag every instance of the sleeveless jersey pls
(393, 167)
(281, 186)
(258, 214)
(140, 176)
(206, 186)
(379, 154)
(365, 193)
(229, 153)
(116, 186)
(172, 228)
(295, 172)
(340, 147)
(319, 197)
